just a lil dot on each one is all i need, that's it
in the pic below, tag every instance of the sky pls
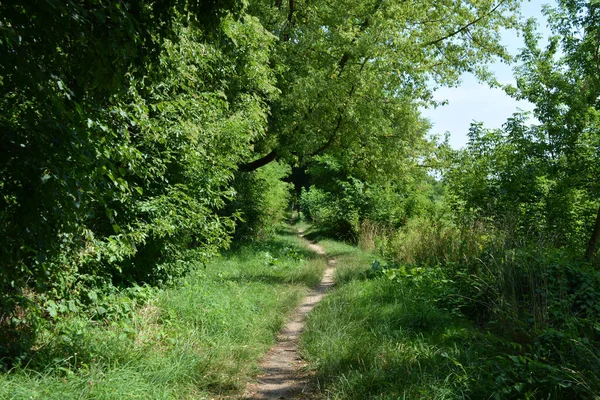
(474, 101)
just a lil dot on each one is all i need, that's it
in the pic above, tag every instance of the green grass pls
(202, 338)
(514, 330)
(388, 339)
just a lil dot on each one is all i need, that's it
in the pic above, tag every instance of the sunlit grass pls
(376, 338)
(202, 338)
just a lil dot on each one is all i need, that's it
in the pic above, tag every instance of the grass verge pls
(383, 337)
(201, 338)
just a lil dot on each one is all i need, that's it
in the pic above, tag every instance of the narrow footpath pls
(284, 375)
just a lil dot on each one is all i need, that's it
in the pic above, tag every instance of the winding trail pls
(284, 376)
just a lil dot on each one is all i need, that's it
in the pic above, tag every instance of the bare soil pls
(284, 374)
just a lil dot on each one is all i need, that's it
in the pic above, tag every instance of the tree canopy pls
(352, 74)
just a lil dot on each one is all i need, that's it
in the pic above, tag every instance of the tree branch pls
(256, 164)
(330, 140)
(291, 11)
(465, 27)
(290, 20)
(366, 23)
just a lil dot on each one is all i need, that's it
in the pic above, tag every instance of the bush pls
(350, 208)
(542, 304)
(336, 216)
(261, 200)
(112, 173)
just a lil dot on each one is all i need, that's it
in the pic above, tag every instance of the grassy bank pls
(376, 337)
(399, 331)
(201, 338)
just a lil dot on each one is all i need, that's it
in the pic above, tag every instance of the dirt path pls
(284, 377)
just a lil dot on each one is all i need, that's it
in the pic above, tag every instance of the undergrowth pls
(200, 338)
(376, 337)
(511, 324)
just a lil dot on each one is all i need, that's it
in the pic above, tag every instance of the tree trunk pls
(593, 243)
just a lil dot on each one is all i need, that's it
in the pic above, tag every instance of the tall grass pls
(370, 235)
(541, 303)
(201, 338)
(384, 339)
(429, 241)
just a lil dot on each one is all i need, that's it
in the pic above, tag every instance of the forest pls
(153, 153)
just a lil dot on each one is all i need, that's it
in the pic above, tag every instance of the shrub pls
(541, 303)
(261, 200)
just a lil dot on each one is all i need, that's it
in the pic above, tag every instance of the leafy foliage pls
(341, 203)
(261, 199)
(123, 127)
(353, 73)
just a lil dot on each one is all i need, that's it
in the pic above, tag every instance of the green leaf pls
(92, 295)
(52, 309)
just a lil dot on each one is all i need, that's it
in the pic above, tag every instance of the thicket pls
(357, 207)
(122, 127)
(261, 198)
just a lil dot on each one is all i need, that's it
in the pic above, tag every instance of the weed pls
(501, 323)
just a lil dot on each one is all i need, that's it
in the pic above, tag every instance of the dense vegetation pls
(494, 287)
(131, 130)
(140, 139)
(198, 339)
